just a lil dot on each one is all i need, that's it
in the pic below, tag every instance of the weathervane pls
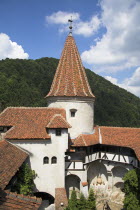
(70, 26)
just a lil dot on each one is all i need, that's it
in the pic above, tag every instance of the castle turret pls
(70, 90)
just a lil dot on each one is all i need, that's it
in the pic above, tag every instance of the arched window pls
(46, 160)
(54, 160)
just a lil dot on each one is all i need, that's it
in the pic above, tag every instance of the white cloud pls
(62, 17)
(85, 28)
(119, 47)
(9, 49)
(131, 84)
(111, 79)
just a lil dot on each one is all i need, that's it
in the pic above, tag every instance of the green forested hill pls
(26, 82)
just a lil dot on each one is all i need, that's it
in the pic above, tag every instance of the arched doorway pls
(96, 170)
(47, 199)
(118, 174)
(72, 182)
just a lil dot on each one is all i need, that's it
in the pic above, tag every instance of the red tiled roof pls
(9, 201)
(125, 137)
(11, 158)
(60, 197)
(87, 139)
(28, 122)
(58, 121)
(116, 136)
(70, 78)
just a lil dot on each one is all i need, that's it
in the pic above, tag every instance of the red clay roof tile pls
(11, 158)
(124, 137)
(28, 122)
(58, 121)
(9, 201)
(87, 139)
(70, 78)
(116, 136)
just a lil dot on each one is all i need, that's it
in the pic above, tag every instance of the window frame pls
(58, 131)
(54, 160)
(46, 160)
(73, 112)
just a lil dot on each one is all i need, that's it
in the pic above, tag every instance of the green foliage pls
(25, 183)
(91, 202)
(82, 202)
(73, 202)
(27, 82)
(132, 190)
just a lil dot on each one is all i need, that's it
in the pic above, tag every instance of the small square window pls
(58, 132)
(72, 114)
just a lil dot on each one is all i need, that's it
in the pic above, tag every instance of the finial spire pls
(70, 26)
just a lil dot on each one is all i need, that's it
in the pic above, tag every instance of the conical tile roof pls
(70, 77)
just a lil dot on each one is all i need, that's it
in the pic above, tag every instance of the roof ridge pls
(61, 117)
(22, 107)
(80, 72)
(55, 115)
(118, 127)
(21, 196)
(73, 76)
(83, 140)
(63, 54)
(20, 148)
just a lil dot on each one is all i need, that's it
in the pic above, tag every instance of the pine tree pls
(91, 203)
(72, 204)
(82, 202)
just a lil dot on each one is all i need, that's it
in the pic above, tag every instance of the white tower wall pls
(83, 121)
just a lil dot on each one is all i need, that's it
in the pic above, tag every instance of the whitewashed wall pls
(49, 176)
(83, 121)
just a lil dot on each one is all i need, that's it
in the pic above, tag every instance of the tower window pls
(46, 160)
(58, 132)
(73, 112)
(54, 160)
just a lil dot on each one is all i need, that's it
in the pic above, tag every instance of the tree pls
(91, 202)
(82, 202)
(27, 82)
(73, 203)
(25, 180)
(132, 190)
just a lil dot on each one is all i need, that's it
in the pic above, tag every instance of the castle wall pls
(111, 175)
(83, 121)
(49, 176)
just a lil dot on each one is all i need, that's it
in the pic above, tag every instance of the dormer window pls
(73, 112)
(58, 132)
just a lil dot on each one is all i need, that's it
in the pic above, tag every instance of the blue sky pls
(106, 33)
